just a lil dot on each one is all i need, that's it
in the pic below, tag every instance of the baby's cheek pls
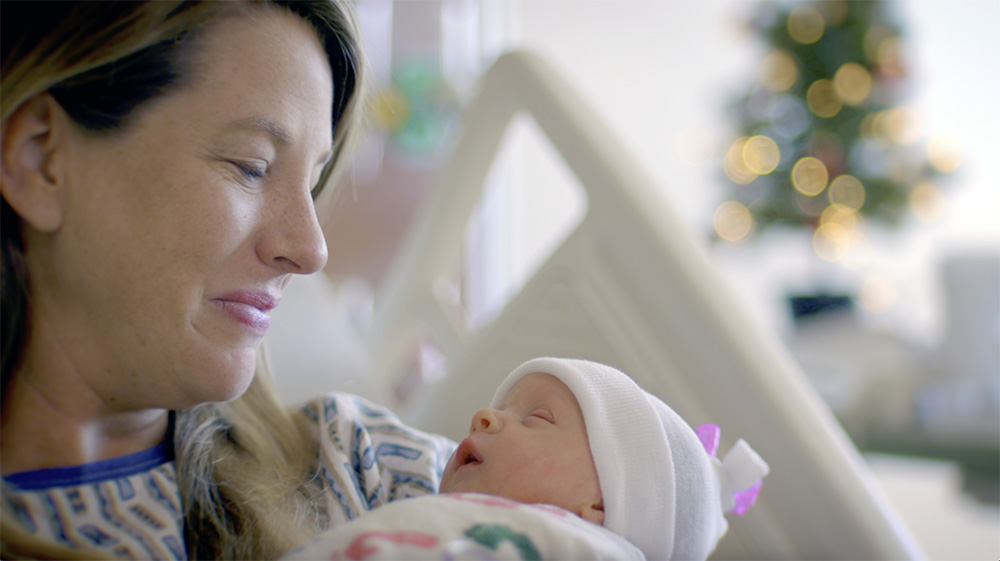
(538, 482)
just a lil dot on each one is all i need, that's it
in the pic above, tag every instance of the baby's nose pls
(486, 420)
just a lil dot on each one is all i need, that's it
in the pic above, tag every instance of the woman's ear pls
(30, 178)
(593, 512)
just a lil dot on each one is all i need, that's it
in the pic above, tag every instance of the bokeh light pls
(848, 192)
(732, 221)
(824, 114)
(880, 127)
(761, 154)
(389, 109)
(871, 132)
(823, 99)
(944, 153)
(889, 57)
(734, 165)
(840, 215)
(806, 25)
(901, 125)
(778, 71)
(878, 293)
(874, 39)
(853, 83)
(842, 238)
(831, 241)
(927, 203)
(695, 146)
(809, 176)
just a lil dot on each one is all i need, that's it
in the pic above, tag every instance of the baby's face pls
(533, 449)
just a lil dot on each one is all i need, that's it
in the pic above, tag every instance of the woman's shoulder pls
(130, 506)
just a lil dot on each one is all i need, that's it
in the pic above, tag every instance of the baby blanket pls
(467, 526)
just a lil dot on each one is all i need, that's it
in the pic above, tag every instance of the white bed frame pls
(631, 287)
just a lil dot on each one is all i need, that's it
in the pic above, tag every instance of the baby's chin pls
(450, 485)
(446, 487)
(465, 479)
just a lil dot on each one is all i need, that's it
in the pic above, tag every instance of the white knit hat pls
(663, 488)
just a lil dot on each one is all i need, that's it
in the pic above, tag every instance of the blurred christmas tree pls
(823, 142)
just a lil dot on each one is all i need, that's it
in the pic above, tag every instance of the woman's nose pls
(486, 420)
(293, 241)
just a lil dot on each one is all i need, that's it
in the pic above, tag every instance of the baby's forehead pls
(538, 387)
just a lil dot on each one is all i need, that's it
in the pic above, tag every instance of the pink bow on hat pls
(741, 471)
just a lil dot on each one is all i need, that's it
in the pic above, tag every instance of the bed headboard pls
(631, 287)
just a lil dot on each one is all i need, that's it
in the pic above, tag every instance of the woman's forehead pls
(258, 68)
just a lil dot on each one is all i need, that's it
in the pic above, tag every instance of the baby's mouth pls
(467, 454)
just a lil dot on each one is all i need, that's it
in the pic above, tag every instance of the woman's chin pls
(225, 381)
(234, 391)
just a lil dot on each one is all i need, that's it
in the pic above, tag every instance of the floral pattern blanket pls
(467, 526)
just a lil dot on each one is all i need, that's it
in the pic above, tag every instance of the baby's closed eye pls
(542, 414)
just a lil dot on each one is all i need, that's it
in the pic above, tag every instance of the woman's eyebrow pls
(275, 130)
(265, 125)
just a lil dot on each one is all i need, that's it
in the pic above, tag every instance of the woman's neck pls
(67, 407)
(46, 426)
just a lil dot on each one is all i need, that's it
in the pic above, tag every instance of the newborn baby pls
(573, 460)
(586, 438)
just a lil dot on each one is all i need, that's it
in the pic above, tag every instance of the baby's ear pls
(594, 512)
(30, 176)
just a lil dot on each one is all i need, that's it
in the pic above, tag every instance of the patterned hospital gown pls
(131, 505)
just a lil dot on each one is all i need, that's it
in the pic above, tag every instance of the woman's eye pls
(251, 172)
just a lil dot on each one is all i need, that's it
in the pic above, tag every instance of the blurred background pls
(839, 160)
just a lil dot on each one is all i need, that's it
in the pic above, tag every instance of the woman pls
(159, 166)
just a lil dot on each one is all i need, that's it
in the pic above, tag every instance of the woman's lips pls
(251, 309)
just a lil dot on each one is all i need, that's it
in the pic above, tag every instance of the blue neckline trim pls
(96, 472)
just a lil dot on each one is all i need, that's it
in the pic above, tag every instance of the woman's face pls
(181, 231)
